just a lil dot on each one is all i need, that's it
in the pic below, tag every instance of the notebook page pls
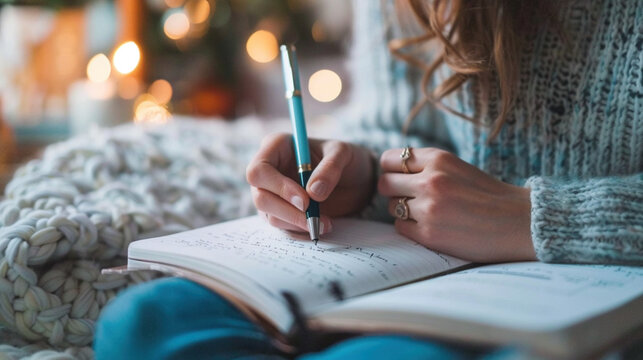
(361, 256)
(527, 296)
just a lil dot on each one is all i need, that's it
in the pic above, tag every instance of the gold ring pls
(402, 209)
(405, 155)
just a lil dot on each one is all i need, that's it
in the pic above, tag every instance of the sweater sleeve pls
(383, 91)
(597, 220)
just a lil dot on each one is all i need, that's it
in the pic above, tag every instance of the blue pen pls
(300, 138)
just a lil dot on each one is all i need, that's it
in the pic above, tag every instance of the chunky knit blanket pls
(73, 212)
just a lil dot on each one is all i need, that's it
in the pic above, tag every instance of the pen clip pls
(291, 72)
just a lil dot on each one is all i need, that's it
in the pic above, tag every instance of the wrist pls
(528, 251)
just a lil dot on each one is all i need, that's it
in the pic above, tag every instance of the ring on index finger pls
(405, 155)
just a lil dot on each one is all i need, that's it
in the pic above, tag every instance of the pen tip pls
(315, 241)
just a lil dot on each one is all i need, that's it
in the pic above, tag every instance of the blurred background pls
(70, 66)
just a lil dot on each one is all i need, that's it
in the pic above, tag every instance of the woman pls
(530, 146)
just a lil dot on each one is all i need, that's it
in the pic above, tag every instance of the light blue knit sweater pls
(575, 135)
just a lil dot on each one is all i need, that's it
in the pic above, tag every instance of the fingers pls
(415, 211)
(396, 184)
(410, 229)
(433, 161)
(265, 176)
(335, 156)
(262, 172)
(276, 149)
(282, 214)
(278, 223)
(325, 225)
(390, 161)
(272, 204)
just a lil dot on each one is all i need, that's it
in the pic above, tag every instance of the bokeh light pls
(126, 57)
(129, 87)
(262, 46)
(147, 111)
(198, 10)
(325, 85)
(99, 68)
(161, 90)
(176, 26)
(318, 32)
(174, 3)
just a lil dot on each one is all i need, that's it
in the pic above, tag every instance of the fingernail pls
(297, 202)
(321, 228)
(319, 188)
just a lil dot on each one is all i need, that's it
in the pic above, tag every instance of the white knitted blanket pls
(68, 215)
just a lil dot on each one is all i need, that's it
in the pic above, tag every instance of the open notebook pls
(366, 277)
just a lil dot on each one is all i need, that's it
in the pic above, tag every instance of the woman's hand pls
(456, 208)
(342, 181)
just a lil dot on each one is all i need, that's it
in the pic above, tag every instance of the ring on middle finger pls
(402, 209)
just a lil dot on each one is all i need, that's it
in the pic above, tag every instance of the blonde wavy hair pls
(476, 39)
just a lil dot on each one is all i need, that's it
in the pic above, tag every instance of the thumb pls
(335, 156)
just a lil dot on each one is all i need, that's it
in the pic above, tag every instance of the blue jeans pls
(174, 318)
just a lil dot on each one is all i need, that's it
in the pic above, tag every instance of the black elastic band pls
(300, 335)
(337, 291)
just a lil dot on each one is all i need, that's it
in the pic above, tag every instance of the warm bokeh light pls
(318, 32)
(176, 26)
(199, 30)
(325, 85)
(147, 111)
(129, 87)
(174, 3)
(262, 46)
(126, 57)
(99, 91)
(99, 68)
(161, 90)
(198, 10)
(142, 98)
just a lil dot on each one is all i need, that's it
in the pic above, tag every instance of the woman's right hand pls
(342, 181)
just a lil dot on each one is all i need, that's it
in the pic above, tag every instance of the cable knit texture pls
(74, 212)
(574, 136)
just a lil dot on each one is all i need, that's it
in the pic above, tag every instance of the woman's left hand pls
(456, 208)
